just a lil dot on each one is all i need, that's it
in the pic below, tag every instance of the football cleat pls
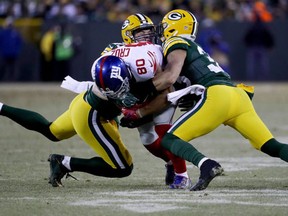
(208, 171)
(57, 170)
(169, 178)
(181, 182)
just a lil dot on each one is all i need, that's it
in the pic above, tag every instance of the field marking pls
(149, 201)
(236, 164)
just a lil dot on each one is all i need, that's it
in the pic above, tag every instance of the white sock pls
(202, 161)
(185, 174)
(1, 105)
(169, 162)
(66, 162)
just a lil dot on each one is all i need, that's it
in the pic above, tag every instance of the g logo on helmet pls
(175, 16)
(125, 24)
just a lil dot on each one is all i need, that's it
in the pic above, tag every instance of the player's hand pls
(187, 102)
(124, 122)
(131, 114)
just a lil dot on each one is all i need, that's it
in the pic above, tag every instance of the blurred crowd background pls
(45, 40)
(80, 11)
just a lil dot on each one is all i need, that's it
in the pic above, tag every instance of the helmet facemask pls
(122, 97)
(145, 36)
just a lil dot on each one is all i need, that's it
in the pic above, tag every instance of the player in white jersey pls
(145, 58)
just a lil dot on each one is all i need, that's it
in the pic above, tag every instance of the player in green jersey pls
(222, 101)
(92, 115)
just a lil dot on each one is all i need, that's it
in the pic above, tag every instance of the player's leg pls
(28, 119)
(180, 179)
(250, 125)
(275, 148)
(151, 134)
(151, 141)
(103, 137)
(197, 122)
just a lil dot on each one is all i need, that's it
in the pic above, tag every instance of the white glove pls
(76, 86)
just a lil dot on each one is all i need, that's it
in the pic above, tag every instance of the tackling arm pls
(157, 104)
(166, 78)
(172, 70)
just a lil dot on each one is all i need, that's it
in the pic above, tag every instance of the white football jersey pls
(144, 58)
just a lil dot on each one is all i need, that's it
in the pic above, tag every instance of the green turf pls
(253, 183)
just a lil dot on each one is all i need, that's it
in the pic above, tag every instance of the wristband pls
(139, 113)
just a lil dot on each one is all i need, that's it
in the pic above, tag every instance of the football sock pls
(182, 149)
(29, 120)
(1, 105)
(66, 162)
(157, 150)
(184, 174)
(276, 149)
(178, 163)
(202, 161)
(97, 166)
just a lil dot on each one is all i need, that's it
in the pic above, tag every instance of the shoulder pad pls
(172, 41)
(111, 46)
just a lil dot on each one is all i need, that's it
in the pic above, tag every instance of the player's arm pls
(172, 70)
(157, 104)
(166, 78)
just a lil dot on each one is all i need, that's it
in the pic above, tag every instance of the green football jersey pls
(105, 108)
(199, 67)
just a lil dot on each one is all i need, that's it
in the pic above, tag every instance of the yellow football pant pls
(101, 135)
(226, 105)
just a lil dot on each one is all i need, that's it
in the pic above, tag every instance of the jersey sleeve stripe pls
(171, 41)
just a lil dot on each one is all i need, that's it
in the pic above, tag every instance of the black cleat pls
(57, 170)
(170, 174)
(208, 171)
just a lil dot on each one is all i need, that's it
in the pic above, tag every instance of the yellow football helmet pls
(135, 23)
(178, 23)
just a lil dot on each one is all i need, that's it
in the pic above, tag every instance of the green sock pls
(29, 120)
(97, 166)
(181, 149)
(276, 149)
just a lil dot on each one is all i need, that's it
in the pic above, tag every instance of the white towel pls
(76, 86)
(173, 97)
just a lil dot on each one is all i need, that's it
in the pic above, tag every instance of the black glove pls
(187, 102)
(125, 122)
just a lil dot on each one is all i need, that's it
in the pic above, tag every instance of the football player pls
(138, 28)
(222, 102)
(92, 115)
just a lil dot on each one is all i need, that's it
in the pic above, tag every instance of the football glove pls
(187, 102)
(125, 122)
(132, 114)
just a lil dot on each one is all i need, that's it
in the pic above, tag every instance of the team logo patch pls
(125, 24)
(115, 73)
(174, 16)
